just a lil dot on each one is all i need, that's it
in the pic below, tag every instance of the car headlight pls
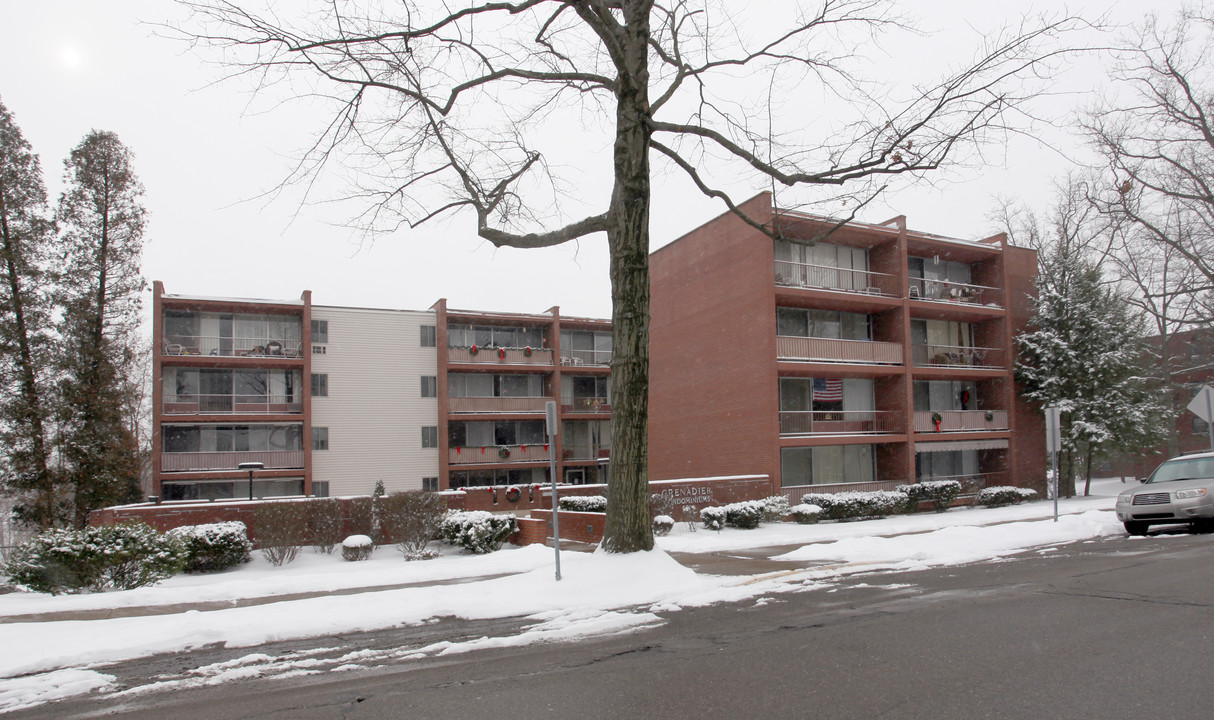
(1195, 492)
(1124, 499)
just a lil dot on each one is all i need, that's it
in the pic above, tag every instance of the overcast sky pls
(207, 157)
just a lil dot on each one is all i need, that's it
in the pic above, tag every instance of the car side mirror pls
(1141, 480)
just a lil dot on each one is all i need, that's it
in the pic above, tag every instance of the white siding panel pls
(374, 410)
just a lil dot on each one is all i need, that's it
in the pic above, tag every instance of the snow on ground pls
(598, 594)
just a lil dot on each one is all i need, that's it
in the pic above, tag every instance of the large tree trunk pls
(628, 524)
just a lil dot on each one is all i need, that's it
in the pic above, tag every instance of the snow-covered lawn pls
(598, 594)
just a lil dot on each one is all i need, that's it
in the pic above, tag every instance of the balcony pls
(597, 405)
(961, 421)
(956, 355)
(500, 355)
(585, 358)
(213, 461)
(834, 422)
(494, 454)
(821, 277)
(231, 404)
(458, 405)
(585, 452)
(953, 292)
(215, 346)
(841, 351)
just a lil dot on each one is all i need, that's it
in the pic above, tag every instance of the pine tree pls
(1085, 356)
(103, 222)
(26, 232)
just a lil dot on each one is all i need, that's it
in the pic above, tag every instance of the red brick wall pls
(713, 392)
(697, 492)
(584, 527)
(1026, 451)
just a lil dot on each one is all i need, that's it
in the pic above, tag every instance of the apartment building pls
(333, 400)
(855, 356)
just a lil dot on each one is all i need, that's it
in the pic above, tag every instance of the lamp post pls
(251, 466)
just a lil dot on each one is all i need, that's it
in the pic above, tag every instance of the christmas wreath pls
(503, 452)
(527, 351)
(513, 494)
(473, 350)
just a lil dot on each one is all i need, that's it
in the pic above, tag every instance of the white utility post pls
(553, 429)
(1053, 445)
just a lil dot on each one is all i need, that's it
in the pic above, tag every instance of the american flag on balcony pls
(828, 390)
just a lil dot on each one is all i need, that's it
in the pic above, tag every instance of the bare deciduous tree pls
(446, 107)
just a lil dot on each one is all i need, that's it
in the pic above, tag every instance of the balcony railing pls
(842, 422)
(961, 421)
(500, 355)
(580, 358)
(234, 404)
(587, 405)
(804, 275)
(585, 451)
(231, 347)
(954, 292)
(496, 454)
(212, 461)
(497, 404)
(951, 355)
(831, 350)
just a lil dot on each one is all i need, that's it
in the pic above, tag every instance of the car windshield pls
(1184, 469)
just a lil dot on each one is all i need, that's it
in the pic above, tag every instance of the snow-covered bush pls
(662, 525)
(775, 508)
(412, 519)
(661, 504)
(282, 530)
(478, 531)
(214, 546)
(940, 493)
(1004, 495)
(326, 523)
(713, 517)
(357, 547)
(362, 515)
(118, 557)
(805, 514)
(746, 515)
(584, 503)
(847, 505)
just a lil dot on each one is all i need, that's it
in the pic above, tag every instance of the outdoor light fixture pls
(250, 466)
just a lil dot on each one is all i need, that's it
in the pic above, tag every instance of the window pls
(320, 385)
(429, 336)
(827, 464)
(320, 438)
(430, 484)
(429, 386)
(320, 489)
(320, 331)
(430, 436)
(830, 324)
(318, 349)
(944, 395)
(1200, 427)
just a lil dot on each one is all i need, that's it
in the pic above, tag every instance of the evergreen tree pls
(102, 242)
(26, 232)
(1085, 356)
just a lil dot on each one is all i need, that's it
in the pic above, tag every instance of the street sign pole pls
(553, 429)
(1053, 441)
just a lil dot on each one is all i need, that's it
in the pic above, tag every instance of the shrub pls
(357, 547)
(1004, 495)
(478, 531)
(96, 558)
(849, 505)
(746, 515)
(326, 523)
(805, 514)
(713, 517)
(775, 508)
(940, 493)
(361, 515)
(213, 547)
(584, 503)
(282, 530)
(412, 519)
(661, 504)
(662, 525)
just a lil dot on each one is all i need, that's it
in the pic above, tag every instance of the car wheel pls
(1205, 525)
(1136, 528)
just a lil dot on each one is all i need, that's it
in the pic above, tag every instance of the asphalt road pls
(1114, 628)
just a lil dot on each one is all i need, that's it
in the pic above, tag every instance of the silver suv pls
(1181, 490)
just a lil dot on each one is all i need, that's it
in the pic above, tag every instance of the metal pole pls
(1210, 415)
(250, 484)
(550, 416)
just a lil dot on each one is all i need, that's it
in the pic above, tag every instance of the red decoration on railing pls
(473, 350)
(457, 449)
(527, 351)
(501, 353)
(524, 448)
